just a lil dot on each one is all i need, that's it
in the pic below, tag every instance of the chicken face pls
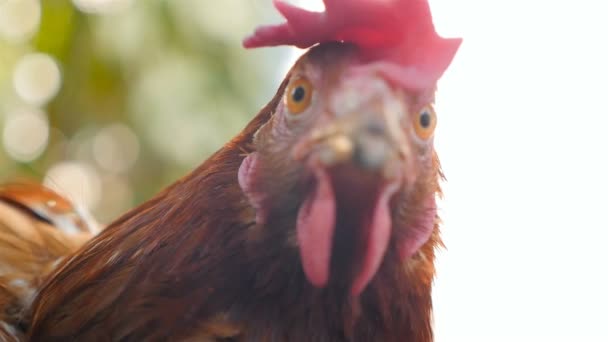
(348, 157)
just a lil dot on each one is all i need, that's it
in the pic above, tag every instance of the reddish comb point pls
(393, 33)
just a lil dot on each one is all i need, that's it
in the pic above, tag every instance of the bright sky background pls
(522, 136)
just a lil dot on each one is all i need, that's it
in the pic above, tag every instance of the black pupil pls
(425, 120)
(298, 94)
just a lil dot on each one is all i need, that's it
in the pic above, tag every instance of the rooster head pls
(346, 161)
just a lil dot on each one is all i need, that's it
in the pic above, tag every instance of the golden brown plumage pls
(37, 229)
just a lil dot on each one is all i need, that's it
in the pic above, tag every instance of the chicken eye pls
(425, 122)
(298, 95)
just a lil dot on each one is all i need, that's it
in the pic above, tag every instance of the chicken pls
(317, 222)
(37, 229)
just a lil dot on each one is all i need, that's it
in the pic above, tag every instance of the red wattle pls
(377, 240)
(315, 229)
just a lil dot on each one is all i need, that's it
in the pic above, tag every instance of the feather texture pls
(37, 229)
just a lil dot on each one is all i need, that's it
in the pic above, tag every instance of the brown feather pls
(153, 244)
(31, 245)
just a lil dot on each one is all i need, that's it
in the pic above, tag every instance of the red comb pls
(396, 36)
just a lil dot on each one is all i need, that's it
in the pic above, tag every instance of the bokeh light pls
(102, 6)
(37, 78)
(77, 181)
(118, 194)
(223, 20)
(123, 97)
(19, 19)
(116, 148)
(25, 134)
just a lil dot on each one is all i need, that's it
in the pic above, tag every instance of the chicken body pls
(234, 252)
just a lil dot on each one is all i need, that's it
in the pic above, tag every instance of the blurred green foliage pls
(172, 72)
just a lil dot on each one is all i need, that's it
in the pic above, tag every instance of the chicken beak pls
(367, 146)
(366, 140)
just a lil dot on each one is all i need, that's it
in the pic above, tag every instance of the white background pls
(523, 137)
(524, 140)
